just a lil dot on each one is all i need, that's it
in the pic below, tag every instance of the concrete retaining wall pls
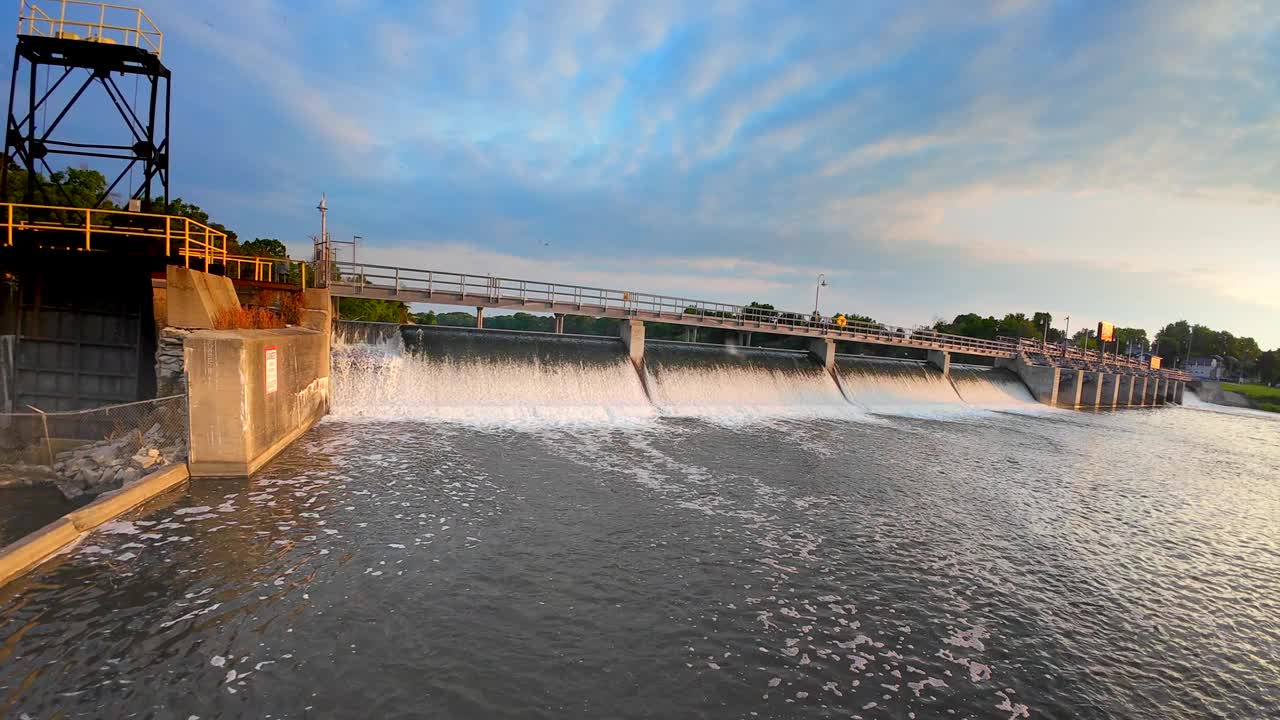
(29, 552)
(194, 299)
(243, 413)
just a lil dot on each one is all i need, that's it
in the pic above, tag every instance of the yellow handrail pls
(262, 269)
(210, 243)
(131, 26)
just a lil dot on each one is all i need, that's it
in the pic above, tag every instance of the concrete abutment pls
(1041, 380)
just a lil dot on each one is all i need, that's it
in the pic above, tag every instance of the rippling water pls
(1114, 565)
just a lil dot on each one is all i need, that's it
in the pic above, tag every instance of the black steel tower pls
(64, 44)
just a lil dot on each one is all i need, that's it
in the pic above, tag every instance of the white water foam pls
(899, 387)
(1192, 401)
(492, 377)
(734, 384)
(993, 389)
(383, 381)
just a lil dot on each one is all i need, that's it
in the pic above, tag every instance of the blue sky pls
(1104, 160)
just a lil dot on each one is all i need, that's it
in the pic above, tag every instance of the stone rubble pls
(171, 376)
(93, 469)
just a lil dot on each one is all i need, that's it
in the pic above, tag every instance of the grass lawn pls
(1265, 398)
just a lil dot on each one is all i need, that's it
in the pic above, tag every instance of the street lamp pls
(822, 282)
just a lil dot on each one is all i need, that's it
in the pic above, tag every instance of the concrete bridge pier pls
(1170, 391)
(1177, 391)
(559, 328)
(824, 350)
(632, 334)
(690, 333)
(1144, 398)
(1071, 387)
(941, 359)
(1109, 390)
(1041, 380)
(479, 318)
(1157, 394)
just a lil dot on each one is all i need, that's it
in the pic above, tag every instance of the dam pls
(219, 500)
(458, 373)
(500, 524)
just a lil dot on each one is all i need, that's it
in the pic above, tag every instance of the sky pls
(1108, 161)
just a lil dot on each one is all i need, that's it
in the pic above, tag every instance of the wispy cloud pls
(763, 139)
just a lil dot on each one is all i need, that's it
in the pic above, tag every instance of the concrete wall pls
(194, 299)
(7, 345)
(1109, 390)
(824, 350)
(1071, 388)
(1091, 389)
(237, 422)
(1125, 397)
(1041, 380)
(941, 360)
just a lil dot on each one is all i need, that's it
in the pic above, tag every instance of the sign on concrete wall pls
(271, 365)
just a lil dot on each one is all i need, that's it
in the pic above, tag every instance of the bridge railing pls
(463, 289)
(443, 286)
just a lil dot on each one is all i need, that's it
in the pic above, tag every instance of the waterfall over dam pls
(389, 371)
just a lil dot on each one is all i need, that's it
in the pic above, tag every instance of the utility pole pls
(1066, 336)
(322, 247)
(1190, 336)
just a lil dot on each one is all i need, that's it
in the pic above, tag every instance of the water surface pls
(1109, 565)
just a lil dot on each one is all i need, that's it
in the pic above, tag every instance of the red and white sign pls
(271, 364)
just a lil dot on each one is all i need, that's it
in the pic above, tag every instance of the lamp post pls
(822, 282)
(1066, 336)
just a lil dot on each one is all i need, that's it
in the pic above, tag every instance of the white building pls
(1202, 368)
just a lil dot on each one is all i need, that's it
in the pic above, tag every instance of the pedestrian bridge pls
(1070, 368)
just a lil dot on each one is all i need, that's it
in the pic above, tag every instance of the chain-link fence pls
(87, 452)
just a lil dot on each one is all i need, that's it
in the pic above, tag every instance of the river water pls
(957, 561)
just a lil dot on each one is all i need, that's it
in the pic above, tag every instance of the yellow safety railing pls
(181, 235)
(90, 21)
(263, 269)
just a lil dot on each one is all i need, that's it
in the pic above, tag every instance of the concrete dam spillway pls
(389, 371)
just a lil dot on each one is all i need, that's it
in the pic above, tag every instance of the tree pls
(367, 310)
(970, 325)
(264, 247)
(1019, 325)
(1176, 338)
(1133, 340)
(1084, 338)
(1269, 367)
(185, 209)
(426, 318)
(70, 187)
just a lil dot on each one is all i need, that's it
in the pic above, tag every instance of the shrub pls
(242, 318)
